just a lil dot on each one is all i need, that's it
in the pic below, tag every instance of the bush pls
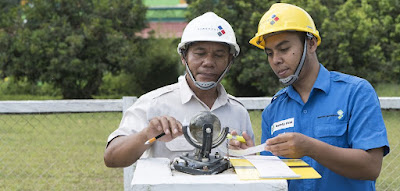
(158, 65)
(10, 87)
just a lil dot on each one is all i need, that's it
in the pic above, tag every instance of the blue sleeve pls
(366, 126)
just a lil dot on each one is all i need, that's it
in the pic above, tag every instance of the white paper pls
(248, 151)
(271, 167)
(239, 153)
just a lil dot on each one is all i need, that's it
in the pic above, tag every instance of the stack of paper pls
(271, 167)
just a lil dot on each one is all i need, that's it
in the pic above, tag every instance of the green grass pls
(57, 152)
(65, 151)
(388, 90)
(390, 174)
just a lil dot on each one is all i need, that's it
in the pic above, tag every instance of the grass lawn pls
(57, 152)
(65, 151)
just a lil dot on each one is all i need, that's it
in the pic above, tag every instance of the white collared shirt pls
(179, 101)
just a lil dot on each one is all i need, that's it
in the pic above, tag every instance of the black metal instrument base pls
(195, 167)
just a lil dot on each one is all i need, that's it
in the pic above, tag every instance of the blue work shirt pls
(342, 110)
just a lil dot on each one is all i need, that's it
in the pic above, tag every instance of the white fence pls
(112, 105)
(120, 105)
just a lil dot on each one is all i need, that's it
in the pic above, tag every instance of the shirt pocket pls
(333, 133)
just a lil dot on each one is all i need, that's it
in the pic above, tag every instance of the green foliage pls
(365, 39)
(12, 87)
(358, 37)
(71, 44)
(162, 62)
(75, 46)
(157, 65)
(7, 13)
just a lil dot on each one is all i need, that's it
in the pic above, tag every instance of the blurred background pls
(73, 49)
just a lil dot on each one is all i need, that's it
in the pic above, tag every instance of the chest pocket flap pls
(336, 129)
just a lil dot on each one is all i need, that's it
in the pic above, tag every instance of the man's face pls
(284, 51)
(207, 60)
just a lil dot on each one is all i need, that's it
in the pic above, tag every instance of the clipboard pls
(246, 170)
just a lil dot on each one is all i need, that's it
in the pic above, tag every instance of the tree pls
(8, 15)
(359, 37)
(72, 43)
(363, 39)
(158, 65)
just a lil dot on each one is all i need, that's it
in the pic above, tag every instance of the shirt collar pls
(187, 94)
(322, 82)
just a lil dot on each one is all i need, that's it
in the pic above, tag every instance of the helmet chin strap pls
(206, 85)
(292, 78)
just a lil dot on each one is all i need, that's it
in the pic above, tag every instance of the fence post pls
(127, 101)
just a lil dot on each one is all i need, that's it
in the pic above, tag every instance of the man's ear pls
(313, 44)
(183, 60)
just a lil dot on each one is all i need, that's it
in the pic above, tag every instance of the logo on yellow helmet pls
(273, 19)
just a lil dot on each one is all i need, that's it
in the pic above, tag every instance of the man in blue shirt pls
(331, 120)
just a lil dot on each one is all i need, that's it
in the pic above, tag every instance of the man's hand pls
(164, 124)
(289, 145)
(237, 145)
(123, 151)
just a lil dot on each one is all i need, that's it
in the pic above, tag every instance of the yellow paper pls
(246, 171)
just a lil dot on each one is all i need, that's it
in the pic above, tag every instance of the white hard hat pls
(209, 27)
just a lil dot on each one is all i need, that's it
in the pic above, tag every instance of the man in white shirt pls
(208, 47)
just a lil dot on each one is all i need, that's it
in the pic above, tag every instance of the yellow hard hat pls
(284, 17)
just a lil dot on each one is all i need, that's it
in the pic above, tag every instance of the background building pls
(166, 18)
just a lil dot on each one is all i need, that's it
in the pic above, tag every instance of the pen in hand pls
(154, 139)
(237, 137)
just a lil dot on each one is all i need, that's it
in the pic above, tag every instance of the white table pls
(155, 174)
